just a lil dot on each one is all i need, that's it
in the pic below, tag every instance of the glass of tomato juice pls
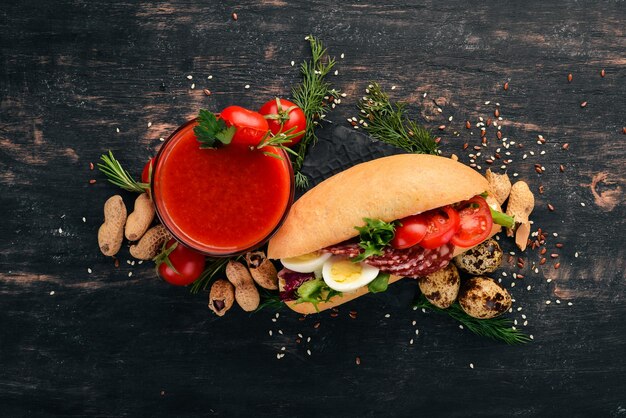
(221, 202)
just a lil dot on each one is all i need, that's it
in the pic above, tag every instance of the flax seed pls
(541, 189)
(550, 207)
(557, 265)
(538, 170)
(506, 85)
(565, 146)
(468, 125)
(496, 113)
(92, 181)
(235, 17)
(317, 325)
(561, 168)
(488, 122)
(583, 104)
(543, 251)
(207, 92)
(465, 146)
(499, 135)
(358, 361)
(554, 255)
(442, 127)
(602, 73)
(542, 261)
(91, 166)
(570, 77)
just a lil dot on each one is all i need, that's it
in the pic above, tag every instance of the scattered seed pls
(506, 86)
(235, 17)
(308, 352)
(496, 113)
(554, 255)
(247, 86)
(465, 145)
(317, 325)
(556, 267)
(358, 361)
(565, 146)
(542, 261)
(570, 77)
(468, 125)
(548, 302)
(442, 127)
(561, 168)
(550, 207)
(583, 104)
(207, 92)
(91, 166)
(472, 364)
(602, 73)
(92, 181)
(189, 77)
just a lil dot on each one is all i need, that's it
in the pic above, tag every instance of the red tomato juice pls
(220, 201)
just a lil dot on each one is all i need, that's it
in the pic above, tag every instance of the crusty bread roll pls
(388, 188)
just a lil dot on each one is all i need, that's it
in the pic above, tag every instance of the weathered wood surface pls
(106, 344)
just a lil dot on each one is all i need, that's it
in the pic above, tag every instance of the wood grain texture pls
(109, 344)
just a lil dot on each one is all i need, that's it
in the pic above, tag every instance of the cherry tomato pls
(283, 115)
(146, 174)
(251, 126)
(443, 223)
(475, 222)
(186, 264)
(411, 232)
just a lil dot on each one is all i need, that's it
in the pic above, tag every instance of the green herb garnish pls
(500, 329)
(374, 236)
(315, 291)
(313, 96)
(388, 122)
(269, 300)
(210, 271)
(278, 141)
(112, 168)
(379, 284)
(211, 131)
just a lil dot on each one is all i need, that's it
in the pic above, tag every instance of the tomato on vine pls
(179, 265)
(283, 116)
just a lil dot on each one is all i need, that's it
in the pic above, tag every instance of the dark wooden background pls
(74, 343)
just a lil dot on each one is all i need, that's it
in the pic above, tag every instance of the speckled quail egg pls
(442, 287)
(483, 298)
(484, 258)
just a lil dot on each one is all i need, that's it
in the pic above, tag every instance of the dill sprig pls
(388, 122)
(210, 271)
(313, 96)
(500, 329)
(116, 174)
(269, 300)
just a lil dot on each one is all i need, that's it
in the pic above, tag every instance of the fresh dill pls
(388, 122)
(213, 267)
(500, 329)
(314, 95)
(270, 300)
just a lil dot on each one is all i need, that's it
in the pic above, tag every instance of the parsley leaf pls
(212, 131)
(375, 235)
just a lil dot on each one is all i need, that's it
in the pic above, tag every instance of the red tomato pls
(187, 264)
(411, 232)
(283, 115)
(476, 222)
(443, 223)
(146, 174)
(251, 126)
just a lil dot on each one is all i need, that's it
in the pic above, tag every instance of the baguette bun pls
(387, 188)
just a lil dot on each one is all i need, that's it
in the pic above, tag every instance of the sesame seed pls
(51, 292)
(569, 303)
(210, 77)
(161, 139)
(461, 326)
(343, 55)
(308, 339)
(425, 94)
(193, 86)
(582, 204)
(336, 72)
(117, 130)
(558, 301)
(282, 348)
(89, 270)
(393, 87)
(84, 220)
(525, 323)
(247, 86)
(411, 341)
(519, 308)
(417, 332)
(523, 316)
(273, 319)
(387, 315)
(270, 332)
(308, 352)
(293, 63)
(130, 273)
(576, 254)
(280, 331)
(531, 337)
(278, 356)
(548, 302)
(528, 287)
(471, 365)
(300, 335)
(60, 230)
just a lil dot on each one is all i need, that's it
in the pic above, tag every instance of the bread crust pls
(387, 188)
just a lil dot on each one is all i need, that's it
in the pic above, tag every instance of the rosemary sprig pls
(388, 122)
(500, 329)
(112, 168)
(210, 271)
(313, 96)
(269, 300)
(278, 141)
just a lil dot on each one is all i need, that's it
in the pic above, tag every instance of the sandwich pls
(377, 222)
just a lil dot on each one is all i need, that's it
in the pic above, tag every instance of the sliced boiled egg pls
(343, 275)
(307, 263)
